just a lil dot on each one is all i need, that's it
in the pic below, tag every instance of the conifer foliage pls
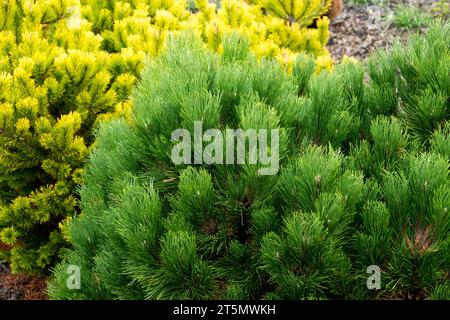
(66, 64)
(361, 183)
(54, 81)
(275, 28)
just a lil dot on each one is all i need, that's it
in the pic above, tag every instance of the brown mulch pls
(4, 247)
(21, 286)
(360, 29)
(363, 28)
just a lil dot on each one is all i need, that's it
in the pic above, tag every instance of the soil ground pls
(20, 286)
(364, 27)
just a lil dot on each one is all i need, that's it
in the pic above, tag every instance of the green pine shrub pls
(360, 182)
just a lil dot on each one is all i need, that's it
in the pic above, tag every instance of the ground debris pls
(20, 286)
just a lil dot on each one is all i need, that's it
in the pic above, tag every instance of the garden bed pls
(364, 27)
(20, 286)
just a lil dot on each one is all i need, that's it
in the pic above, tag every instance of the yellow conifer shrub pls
(67, 64)
(275, 28)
